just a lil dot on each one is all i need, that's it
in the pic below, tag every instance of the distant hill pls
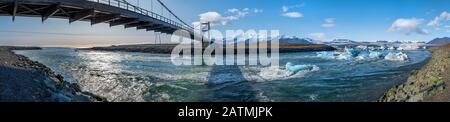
(440, 41)
(285, 39)
(342, 42)
(297, 40)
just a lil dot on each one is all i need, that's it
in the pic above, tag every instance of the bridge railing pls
(131, 7)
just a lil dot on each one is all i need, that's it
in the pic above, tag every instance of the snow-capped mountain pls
(294, 39)
(342, 42)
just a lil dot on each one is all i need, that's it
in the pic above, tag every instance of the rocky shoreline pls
(24, 80)
(429, 84)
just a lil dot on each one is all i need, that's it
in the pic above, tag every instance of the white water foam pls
(259, 74)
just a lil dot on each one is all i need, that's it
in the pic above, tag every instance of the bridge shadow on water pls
(228, 84)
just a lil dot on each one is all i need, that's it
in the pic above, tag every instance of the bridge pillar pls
(14, 11)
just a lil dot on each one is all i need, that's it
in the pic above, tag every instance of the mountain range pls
(294, 39)
(440, 41)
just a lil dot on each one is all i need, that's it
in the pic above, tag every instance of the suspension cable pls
(174, 14)
(151, 5)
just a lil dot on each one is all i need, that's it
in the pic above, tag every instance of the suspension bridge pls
(159, 18)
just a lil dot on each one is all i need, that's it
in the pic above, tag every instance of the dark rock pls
(24, 80)
(423, 85)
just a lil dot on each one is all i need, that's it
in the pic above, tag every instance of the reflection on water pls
(123, 76)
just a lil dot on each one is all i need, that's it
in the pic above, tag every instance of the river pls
(143, 77)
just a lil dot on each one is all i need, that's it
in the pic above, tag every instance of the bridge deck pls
(94, 11)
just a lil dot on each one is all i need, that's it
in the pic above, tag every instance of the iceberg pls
(326, 54)
(400, 56)
(278, 72)
(348, 54)
(375, 54)
(383, 48)
(362, 47)
(352, 52)
(294, 69)
(409, 47)
(392, 48)
(363, 55)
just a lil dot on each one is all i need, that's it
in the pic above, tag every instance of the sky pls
(325, 20)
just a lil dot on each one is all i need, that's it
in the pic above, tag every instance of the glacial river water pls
(125, 76)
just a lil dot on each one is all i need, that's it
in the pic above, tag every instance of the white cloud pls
(293, 14)
(436, 21)
(329, 22)
(316, 35)
(257, 10)
(216, 18)
(408, 26)
(285, 8)
(448, 28)
(238, 13)
(213, 17)
(233, 10)
(328, 25)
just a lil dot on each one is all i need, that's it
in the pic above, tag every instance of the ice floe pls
(400, 56)
(294, 69)
(290, 71)
(408, 47)
(358, 54)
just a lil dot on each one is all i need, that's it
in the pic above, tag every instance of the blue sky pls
(360, 20)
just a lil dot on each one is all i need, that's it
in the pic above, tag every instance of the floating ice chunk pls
(278, 73)
(363, 55)
(392, 48)
(412, 46)
(352, 52)
(273, 73)
(375, 54)
(344, 57)
(361, 47)
(294, 69)
(400, 56)
(326, 54)
(335, 55)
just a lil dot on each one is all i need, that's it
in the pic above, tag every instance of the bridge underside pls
(82, 10)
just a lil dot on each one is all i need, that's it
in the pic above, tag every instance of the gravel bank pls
(24, 80)
(430, 84)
